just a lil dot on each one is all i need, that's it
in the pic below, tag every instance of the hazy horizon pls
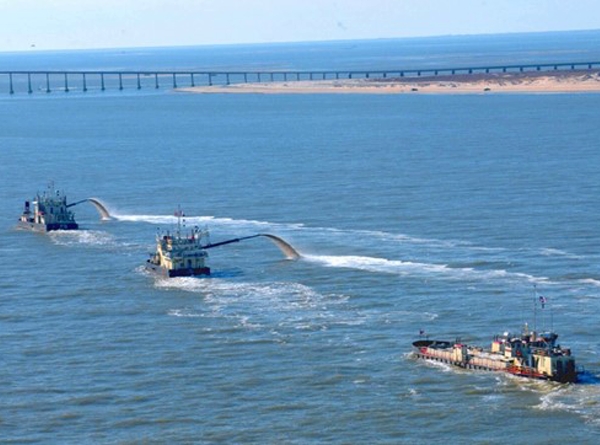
(105, 24)
(35, 49)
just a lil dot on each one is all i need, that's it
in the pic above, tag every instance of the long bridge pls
(68, 80)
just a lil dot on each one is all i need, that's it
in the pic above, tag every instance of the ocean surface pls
(447, 214)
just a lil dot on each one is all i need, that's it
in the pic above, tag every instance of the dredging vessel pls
(179, 255)
(184, 255)
(48, 211)
(529, 354)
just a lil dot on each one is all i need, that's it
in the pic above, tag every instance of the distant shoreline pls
(577, 81)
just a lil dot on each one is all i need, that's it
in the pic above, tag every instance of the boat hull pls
(442, 351)
(43, 228)
(172, 273)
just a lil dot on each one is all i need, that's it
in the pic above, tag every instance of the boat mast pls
(551, 319)
(534, 308)
(179, 215)
(542, 301)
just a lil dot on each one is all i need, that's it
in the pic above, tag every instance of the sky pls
(30, 25)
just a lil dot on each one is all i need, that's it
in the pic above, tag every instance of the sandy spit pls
(578, 81)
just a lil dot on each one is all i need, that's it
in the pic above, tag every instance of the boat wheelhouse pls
(48, 211)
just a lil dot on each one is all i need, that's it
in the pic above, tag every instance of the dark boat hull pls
(172, 273)
(36, 227)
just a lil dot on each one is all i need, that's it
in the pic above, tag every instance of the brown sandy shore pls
(577, 81)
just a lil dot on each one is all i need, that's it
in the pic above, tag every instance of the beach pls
(572, 81)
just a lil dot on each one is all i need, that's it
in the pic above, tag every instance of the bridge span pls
(47, 81)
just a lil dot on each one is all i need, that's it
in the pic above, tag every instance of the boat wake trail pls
(410, 268)
(452, 259)
(577, 399)
(92, 238)
(230, 223)
(288, 250)
(277, 305)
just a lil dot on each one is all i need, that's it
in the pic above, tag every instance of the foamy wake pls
(245, 226)
(171, 220)
(185, 312)
(445, 367)
(283, 295)
(82, 237)
(559, 253)
(329, 232)
(275, 305)
(372, 264)
(580, 399)
(254, 304)
(589, 281)
(410, 268)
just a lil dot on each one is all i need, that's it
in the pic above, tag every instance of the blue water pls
(383, 54)
(439, 213)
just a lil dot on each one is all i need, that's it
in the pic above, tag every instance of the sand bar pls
(573, 81)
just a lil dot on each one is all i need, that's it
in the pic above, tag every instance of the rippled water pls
(411, 212)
